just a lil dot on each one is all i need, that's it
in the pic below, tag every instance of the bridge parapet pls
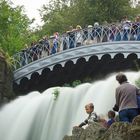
(108, 48)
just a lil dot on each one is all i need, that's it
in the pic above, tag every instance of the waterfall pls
(40, 117)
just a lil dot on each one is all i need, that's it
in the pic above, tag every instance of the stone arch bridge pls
(77, 63)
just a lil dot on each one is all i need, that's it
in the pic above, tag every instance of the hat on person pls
(96, 24)
(78, 26)
(90, 26)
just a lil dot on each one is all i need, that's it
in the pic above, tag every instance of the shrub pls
(56, 93)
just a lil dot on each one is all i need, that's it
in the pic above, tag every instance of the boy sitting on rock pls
(92, 115)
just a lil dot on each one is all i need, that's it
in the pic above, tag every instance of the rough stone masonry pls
(117, 131)
(6, 80)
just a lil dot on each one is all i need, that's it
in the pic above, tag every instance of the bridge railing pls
(76, 38)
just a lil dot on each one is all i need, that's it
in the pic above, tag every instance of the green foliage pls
(56, 93)
(87, 79)
(9, 60)
(136, 65)
(137, 82)
(2, 52)
(58, 15)
(73, 84)
(13, 27)
(112, 10)
(76, 83)
(67, 85)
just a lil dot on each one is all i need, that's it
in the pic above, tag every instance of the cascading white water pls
(40, 117)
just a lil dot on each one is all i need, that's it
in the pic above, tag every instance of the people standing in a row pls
(75, 37)
(71, 37)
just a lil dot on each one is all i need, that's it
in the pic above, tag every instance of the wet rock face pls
(2, 78)
(118, 131)
(134, 132)
(6, 79)
(93, 132)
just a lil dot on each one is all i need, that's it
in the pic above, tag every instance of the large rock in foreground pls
(118, 131)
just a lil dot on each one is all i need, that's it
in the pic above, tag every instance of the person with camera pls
(126, 99)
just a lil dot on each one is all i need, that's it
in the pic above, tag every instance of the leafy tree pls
(54, 14)
(13, 27)
(112, 10)
(58, 15)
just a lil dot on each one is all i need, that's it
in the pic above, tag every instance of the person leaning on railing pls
(123, 31)
(96, 32)
(46, 46)
(136, 28)
(55, 47)
(64, 42)
(126, 27)
(79, 36)
(71, 37)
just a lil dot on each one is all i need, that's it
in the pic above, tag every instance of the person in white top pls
(92, 115)
(79, 36)
(126, 26)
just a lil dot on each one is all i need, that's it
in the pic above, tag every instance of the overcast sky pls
(31, 8)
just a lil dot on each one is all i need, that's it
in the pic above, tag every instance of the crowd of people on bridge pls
(75, 37)
(127, 105)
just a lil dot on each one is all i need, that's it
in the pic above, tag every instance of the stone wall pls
(6, 81)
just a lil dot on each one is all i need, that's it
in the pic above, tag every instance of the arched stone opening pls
(23, 86)
(45, 72)
(57, 67)
(133, 61)
(132, 56)
(35, 76)
(119, 56)
(106, 58)
(81, 61)
(23, 81)
(34, 82)
(68, 64)
(93, 59)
